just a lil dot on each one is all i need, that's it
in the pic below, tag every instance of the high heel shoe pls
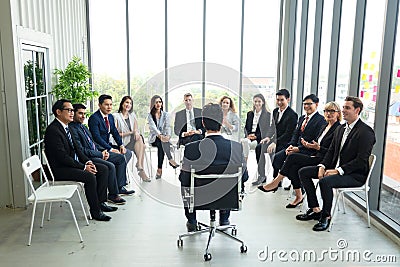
(173, 164)
(292, 206)
(267, 190)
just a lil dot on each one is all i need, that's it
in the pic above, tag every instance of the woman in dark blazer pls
(259, 126)
(294, 162)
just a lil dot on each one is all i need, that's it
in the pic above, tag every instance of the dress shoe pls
(124, 191)
(101, 217)
(292, 206)
(191, 227)
(115, 199)
(104, 207)
(309, 215)
(267, 190)
(323, 224)
(287, 188)
(143, 176)
(173, 164)
(260, 180)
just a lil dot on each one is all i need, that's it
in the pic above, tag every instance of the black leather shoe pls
(101, 217)
(191, 227)
(291, 206)
(104, 207)
(260, 180)
(322, 225)
(124, 191)
(266, 191)
(309, 215)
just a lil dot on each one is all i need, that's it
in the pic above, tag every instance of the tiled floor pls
(144, 233)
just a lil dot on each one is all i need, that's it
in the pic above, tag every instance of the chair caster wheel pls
(243, 249)
(234, 231)
(180, 243)
(207, 257)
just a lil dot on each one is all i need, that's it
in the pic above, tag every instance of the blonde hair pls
(335, 106)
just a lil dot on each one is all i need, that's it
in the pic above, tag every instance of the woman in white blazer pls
(160, 133)
(127, 126)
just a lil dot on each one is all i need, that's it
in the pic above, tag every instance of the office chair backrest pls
(216, 191)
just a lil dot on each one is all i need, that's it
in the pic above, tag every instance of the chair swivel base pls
(212, 229)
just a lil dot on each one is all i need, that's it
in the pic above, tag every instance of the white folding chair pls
(81, 186)
(47, 193)
(365, 188)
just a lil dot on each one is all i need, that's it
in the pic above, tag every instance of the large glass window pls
(296, 54)
(309, 47)
(371, 58)
(325, 52)
(390, 189)
(345, 49)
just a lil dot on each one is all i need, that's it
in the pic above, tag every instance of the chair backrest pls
(46, 162)
(371, 162)
(216, 191)
(30, 165)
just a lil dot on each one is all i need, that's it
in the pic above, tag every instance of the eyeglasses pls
(330, 111)
(70, 110)
(308, 103)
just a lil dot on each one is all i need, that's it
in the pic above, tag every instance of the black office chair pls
(214, 192)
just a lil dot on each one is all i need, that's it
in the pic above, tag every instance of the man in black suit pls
(115, 163)
(308, 127)
(69, 163)
(215, 154)
(285, 120)
(346, 164)
(188, 126)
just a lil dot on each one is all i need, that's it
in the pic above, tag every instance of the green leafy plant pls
(73, 83)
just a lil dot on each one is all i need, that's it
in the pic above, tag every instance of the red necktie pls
(107, 123)
(304, 124)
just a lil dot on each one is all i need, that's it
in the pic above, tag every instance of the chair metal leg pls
(32, 220)
(76, 223)
(50, 204)
(82, 189)
(333, 210)
(44, 211)
(83, 208)
(367, 206)
(344, 205)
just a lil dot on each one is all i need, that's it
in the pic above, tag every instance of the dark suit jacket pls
(83, 142)
(215, 154)
(265, 126)
(310, 133)
(180, 125)
(355, 152)
(59, 150)
(284, 128)
(326, 140)
(100, 133)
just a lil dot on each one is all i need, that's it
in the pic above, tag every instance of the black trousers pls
(95, 185)
(162, 148)
(293, 163)
(326, 185)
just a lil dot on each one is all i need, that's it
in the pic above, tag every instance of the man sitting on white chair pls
(215, 153)
(346, 164)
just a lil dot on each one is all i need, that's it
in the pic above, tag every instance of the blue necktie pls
(72, 143)
(93, 146)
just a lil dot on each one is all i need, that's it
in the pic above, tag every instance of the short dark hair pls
(212, 117)
(59, 105)
(312, 97)
(357, 103)
(187, 95)
(104, 97)
(78, 106)
(283, 92)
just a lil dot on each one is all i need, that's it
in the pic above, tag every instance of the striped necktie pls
(71, 142)
(92, 145)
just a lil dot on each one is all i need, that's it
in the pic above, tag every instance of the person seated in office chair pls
(215, 153)
(346, 164)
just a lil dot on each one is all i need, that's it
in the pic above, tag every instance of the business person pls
(215, 154)
(346, 164)
(70, 164)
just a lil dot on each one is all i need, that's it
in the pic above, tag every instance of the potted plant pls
(73, 83)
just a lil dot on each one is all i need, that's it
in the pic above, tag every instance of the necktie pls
(107, 123)
(192, 123)
(92, 145)
(345, 135)
(304, 124)
(70, 141)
